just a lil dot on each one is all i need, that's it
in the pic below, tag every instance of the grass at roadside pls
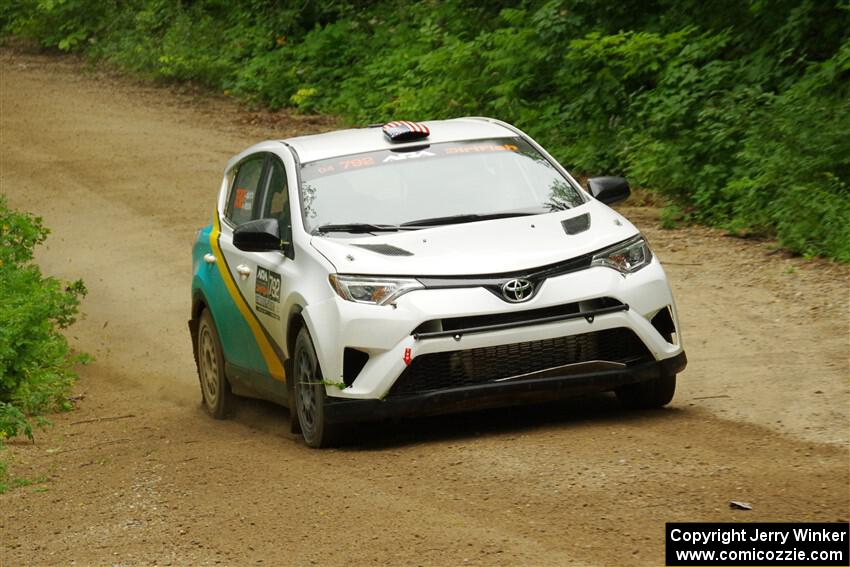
(9, 482)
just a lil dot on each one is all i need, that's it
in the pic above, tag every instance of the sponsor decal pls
(479, 148)
(409, 155)
(385, 158)
(267, 292)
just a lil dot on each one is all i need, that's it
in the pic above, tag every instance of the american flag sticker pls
(404, 131)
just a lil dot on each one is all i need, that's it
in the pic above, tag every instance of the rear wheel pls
(653, 393)
(215, 388)
(310, 397)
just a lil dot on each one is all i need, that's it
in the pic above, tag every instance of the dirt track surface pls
(139, 475)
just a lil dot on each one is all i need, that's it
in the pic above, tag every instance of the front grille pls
(443, 370)
(529, 315)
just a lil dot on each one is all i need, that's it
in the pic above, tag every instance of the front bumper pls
(340, 410)
(388, 334)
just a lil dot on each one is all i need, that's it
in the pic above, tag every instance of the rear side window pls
(243, 196)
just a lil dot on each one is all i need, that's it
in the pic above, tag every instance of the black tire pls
(310, 398)
(653, 393)
(215, 389)
(294, 425)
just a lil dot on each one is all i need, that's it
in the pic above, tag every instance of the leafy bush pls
(734, 111)
(58, 23)
(4, 474)
(36, 363)
(795, 179)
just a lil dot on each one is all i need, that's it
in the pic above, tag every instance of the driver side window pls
(276, 203)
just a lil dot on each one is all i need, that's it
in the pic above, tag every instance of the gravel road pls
(124, 174)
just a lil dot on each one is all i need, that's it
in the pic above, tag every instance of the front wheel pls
(215, 389)
(310, 397)
(653, 393)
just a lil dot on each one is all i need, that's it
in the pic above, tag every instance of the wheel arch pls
(294, 323)
(199, 304)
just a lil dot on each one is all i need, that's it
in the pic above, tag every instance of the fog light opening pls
(663, 323)
(353, 361)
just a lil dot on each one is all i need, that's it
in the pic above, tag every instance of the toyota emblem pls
(517, 290)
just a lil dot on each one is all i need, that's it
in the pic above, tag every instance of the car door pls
(262, 371)
(274, 270)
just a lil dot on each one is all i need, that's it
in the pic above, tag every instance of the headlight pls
(626, 257)
(376, 291)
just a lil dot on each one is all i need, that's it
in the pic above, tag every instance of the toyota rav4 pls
(422, 268)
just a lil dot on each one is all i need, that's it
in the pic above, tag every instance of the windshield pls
(428, 182)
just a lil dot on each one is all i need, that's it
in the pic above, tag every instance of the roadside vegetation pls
(36, 362)
(735, 112)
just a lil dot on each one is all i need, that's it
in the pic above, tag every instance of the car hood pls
(477, 248)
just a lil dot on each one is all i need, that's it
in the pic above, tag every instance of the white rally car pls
(420, 268)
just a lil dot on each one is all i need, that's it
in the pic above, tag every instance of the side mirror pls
(261, 235)
(609, 190)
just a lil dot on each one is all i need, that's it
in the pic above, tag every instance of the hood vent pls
(385, 249)
(577, 224)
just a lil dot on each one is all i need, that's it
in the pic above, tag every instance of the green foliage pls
(795, 173)
(671, 216)
(36, 364)
(65, 24)
(734, 111)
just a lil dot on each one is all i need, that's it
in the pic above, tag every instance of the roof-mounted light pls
(404, 131)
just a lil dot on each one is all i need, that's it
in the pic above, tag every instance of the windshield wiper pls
(357, 227)
(457, 219)
(363, 227)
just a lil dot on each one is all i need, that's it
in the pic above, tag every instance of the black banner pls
(744, 544)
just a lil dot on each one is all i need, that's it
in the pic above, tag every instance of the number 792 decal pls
(267, 292)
